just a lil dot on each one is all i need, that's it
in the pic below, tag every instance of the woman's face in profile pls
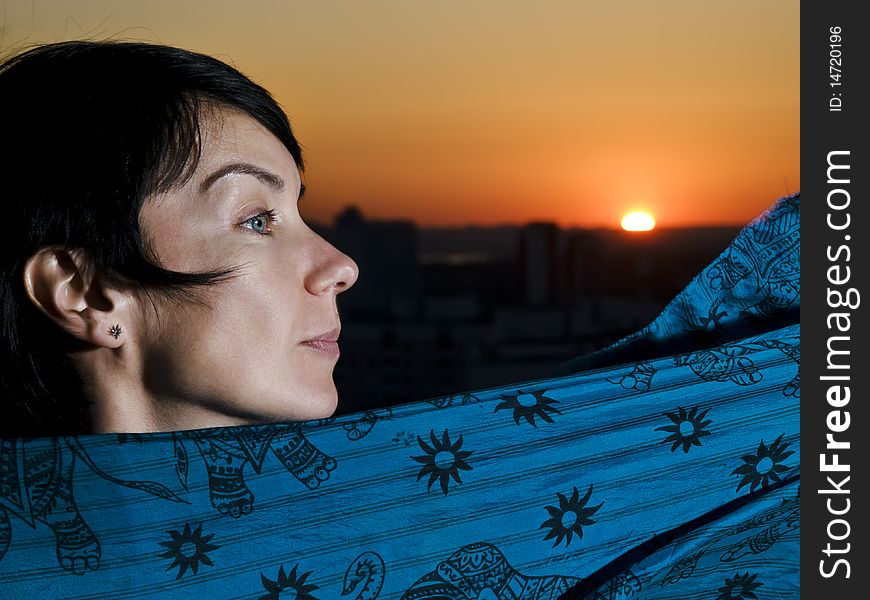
(244, 356)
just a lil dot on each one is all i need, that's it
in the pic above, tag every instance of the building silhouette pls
(539, 264)
(447, 310)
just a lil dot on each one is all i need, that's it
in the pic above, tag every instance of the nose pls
(333, 269)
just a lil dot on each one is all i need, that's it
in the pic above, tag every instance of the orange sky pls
(486, 112)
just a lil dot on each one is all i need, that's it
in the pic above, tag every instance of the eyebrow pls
(270, 179)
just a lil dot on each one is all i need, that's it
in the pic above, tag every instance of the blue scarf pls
(664, 466)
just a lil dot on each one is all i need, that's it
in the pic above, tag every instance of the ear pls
(63, 284)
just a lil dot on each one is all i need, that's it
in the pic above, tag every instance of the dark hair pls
(89, 131)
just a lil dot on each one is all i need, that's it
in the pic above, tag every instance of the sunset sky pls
(497, 112)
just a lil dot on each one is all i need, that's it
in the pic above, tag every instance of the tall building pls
(539, 264)
(389, 274)
(581, 267)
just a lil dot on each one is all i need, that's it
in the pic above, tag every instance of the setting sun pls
(638, 221)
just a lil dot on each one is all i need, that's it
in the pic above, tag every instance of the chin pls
(330, 405)
(320, 406)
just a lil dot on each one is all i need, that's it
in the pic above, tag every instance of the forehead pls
(231, 136)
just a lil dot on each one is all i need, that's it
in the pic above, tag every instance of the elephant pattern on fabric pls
(36, 477)
(36, 486)
(481, 571)
(729, 362)
(726, 363)
(227, 451)
(733, 362)
(755, 281)
(751, 537)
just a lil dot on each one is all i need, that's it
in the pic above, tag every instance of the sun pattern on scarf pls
(739, 587)
(288, 581)
(687, 428)
(569, 517)
(764, 466)
(528, 406)
(442, 460)
(188, 549)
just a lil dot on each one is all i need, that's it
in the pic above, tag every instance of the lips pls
(327, 336)
(326, 343)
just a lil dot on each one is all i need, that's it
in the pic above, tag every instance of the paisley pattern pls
(668, 467)
(365, 576)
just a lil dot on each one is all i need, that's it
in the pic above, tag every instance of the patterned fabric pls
(663, 476)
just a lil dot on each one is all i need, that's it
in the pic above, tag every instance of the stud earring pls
(115, 331)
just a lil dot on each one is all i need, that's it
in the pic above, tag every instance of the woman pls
(155, 273)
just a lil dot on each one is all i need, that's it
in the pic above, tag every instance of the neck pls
(121, 404)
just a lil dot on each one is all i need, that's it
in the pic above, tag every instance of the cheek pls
(248, 329)
(248, 320)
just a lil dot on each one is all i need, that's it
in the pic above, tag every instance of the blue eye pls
(260, 222)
